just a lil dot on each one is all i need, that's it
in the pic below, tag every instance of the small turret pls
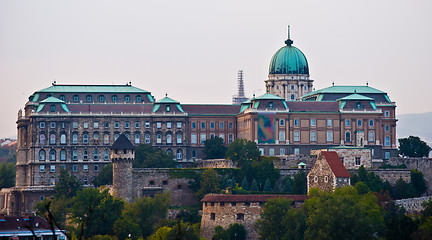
(122, 155)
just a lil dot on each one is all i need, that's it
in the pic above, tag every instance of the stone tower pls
(122, 155)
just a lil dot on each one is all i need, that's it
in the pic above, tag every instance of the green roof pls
(268, 96)
(346, 89)
(93, 89)
(356, 96)
(167, 100)
(288, 60)
(52, 100)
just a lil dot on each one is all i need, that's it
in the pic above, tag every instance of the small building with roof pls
(28, 227)
(223, 210)
(328, 172)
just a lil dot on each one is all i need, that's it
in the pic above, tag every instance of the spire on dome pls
(289, 42)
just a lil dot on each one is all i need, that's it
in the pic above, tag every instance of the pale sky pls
(192, 49)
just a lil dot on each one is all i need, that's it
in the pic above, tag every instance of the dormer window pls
(270, 105)
(138, 99)
(62, 97)
(127, 98)
(52, 108)
(89, 98)
(168, 108)
(114, 98)
(358, 105)
(101, 98)
(76, 98)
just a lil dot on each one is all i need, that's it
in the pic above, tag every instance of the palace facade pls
(73, 126)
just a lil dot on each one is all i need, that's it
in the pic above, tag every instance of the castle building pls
(73, 126)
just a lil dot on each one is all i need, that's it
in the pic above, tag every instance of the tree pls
(402, 190)
(67, 185)
(148, 157)
(245, 184)
(234, 231)
(242, 151)
(279, 220)
(344, 214)
(105, 177)
(267, 186)
(210, 183)
(7, 175)
(398, 226)
(413, 147)
(418, 182)
(300, 183)
(142, 215)
(261, 170)
(95, 211)
(214, 148)
(254, 186)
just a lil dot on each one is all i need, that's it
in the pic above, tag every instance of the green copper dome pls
(289, 60)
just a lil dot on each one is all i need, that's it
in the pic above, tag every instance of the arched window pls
(147, 138)
(281, 122)
(106, 138)
(42, 155)
(63, 139)
(169, 138)
(106, 155)
(75, 138)
(158, 138)
(52, 139)
(292, 97)
(114, 98)
(179, 154)
(96, 138)
(127, 98)
(179, 138)
(85, 138)
(282, 151)
(169, 152)
(116, 136)
(75, 98)
(63, 155)
(282, 136)
(347, 136)
(96, 155)
(101, 98)
(261, 150)
(52, 108)
(387, 141)
(89, 98)
(42, 139)
(52, 155)
(371, 136)
(168, 108)
(138, 99)
(85, 155)
(137, 138)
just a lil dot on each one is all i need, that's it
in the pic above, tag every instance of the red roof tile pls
(335, 164)
(250, 198)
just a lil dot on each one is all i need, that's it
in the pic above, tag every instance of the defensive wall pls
(424, 165)
(413, 205)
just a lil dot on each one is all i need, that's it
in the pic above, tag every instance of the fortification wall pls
(149, 181)
(215, 163)
(424, 165)
(391, 175)
(292, 161)
(413, 205)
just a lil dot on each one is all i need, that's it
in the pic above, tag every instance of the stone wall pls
(422, 164)
(391, 175)
(215, 163)
(413, 205)
(292, 161)
(149, 181)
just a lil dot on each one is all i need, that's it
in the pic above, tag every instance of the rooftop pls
(56, 88)
(250, 198)
(335, 164)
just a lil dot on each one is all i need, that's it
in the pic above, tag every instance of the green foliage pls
(388, 166)
(67, 185)
(57, 208)
(279, 220)
(91, 207)
(210, 183)
(214, 148)
(373, 181)
(418, 182)
(105, 177)
(300, 183)
(403, 190)
(267, 186)
(103, 237)
(287, 183)
(254, 186)
(362, 188)
(148, 157)
(141, 216)
(260, 170)
(176, 173)
(184, 231)
(344, 214)
(242, 151)
(413, 147)
(245, 184)
(424, 231)
(160, 234)
(397, 224)
(7, 175)
(234, 231)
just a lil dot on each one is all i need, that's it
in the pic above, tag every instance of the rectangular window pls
(85, 168)
(126, 124)
(75, 124)
(95, 168)
(147, 124)
(221, 125)
(41, 125)
(52, 168)
(212, 125)
(168, 124)
(347, 123)
(230, 138)
(359, 123)
(329, 122)
(221, 135)
(42, 168)
(387, 128)
(96, 125)
(137, 124)
(75, 155)
(296, 136)
(193, 138)
(387, 113)
(329, 136)
(74, 168)
(202, 138)
(106, 124)
(116, 124)
(179, 124)
(85, 125)
(313, 122)
(357, 161)
(387, 155)
(296, 151)
(313, 136)
(147, 138)
(194, 125)
(158, 124)
(203, 125)
(52, 124)
(230, 125)
(296, 122)
(271, 151)
(371, 123)
(193, 154)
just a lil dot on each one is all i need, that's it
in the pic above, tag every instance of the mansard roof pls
(122, 142)
(211, 109)
(111, 108)
(127, 88)
(250, 198)
(335, 164)
(309, 106)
